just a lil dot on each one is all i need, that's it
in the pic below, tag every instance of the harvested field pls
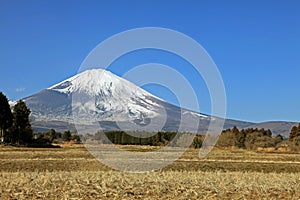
(72, 173)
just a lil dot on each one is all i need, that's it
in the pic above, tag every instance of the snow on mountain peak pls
(97, 81)
(110, 96)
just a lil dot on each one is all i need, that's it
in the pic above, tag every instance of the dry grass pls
(72, 173)
(157, 185)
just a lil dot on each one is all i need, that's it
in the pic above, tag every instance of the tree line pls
(250, 138)
(159, 138)
(245, 138)
(53, 137)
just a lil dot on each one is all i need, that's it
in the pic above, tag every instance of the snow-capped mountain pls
(98, 95)
(107, 97)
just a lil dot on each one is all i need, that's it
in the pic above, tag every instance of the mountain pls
(107, 95)
(99, 96)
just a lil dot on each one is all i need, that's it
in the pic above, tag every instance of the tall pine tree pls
(6, 117)
(21, 129)
(295, 132)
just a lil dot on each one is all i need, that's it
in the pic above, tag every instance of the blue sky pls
(255, 45)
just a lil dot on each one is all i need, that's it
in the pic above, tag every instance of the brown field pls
(72, 172)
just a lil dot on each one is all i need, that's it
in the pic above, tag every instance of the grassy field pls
(72, 173)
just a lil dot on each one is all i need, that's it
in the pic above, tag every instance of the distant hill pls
(277, 127)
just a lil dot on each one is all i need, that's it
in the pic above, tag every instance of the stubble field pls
(72, 172)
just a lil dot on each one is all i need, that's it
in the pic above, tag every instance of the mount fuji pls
(97, 95)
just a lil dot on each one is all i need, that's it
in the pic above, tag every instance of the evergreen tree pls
(278, 139)
(269, 133)
(295, 132)
(21, 129)
(6, 117)
(235, 130)
(51, 135)
(240, 139)
(66, 136)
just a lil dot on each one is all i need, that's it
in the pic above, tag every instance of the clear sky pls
(255, 44)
